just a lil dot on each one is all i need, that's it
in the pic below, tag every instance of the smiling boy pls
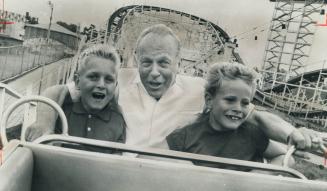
(220, 130)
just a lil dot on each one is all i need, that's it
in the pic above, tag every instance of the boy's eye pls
(109, 79)
(93, 77)
(230, 99)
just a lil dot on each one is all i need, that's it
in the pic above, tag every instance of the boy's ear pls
(208, 100)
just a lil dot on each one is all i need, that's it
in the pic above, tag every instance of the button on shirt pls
(107, 125)
(149, 121)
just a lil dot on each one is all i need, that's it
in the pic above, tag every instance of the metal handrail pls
(10, 91)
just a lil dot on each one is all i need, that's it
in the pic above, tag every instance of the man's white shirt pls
(149, 121)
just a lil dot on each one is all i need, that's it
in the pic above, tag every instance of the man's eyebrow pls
(92, 74)
(144, 58)
(165, 57)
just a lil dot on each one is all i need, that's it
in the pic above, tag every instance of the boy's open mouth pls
(98, 95)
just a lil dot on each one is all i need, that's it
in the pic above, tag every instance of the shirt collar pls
(104, 114)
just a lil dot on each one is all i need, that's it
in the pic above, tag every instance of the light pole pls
(48, 36)
(49, 29)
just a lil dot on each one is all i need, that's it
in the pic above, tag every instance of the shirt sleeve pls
(176, 140)
(122, 137)
(260, 139)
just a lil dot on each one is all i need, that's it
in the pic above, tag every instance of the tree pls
(31, 20)
(87, 31)
(70, 27)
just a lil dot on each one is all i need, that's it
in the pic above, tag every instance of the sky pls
(236, 17)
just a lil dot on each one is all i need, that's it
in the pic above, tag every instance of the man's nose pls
(155, 70)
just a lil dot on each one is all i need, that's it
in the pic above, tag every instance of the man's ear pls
(135, 58)
(76, 80)
(178, 62)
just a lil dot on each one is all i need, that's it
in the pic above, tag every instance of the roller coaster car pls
(40, 166)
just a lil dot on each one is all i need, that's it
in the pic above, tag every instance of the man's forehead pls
(157, 42)
(155, 54)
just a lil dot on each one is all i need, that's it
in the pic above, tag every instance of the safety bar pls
(169, 154)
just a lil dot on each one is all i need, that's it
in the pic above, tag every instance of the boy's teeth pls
(234, 117)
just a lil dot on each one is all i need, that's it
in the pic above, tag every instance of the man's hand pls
(279, 130)
(44, 124)
(304, 140)
(46, 116)
(35, 132)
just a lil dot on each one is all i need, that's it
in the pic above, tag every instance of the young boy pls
(96, 115)
(220, 130)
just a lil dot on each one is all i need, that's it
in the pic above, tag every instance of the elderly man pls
(159, 101)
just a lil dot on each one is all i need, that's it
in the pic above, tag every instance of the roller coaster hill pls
(203, 42)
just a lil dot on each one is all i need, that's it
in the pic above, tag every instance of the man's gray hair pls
(161, 30)
(231, 71)
(99, 50)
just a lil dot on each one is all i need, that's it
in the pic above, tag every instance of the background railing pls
(52, 63)
(25, 115)
(16, 60)
(303, 96)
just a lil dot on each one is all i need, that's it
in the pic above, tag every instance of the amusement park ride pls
(288, 83)
(44, 165)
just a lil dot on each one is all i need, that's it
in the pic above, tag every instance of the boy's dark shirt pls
(245, 143)
(107, 125)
